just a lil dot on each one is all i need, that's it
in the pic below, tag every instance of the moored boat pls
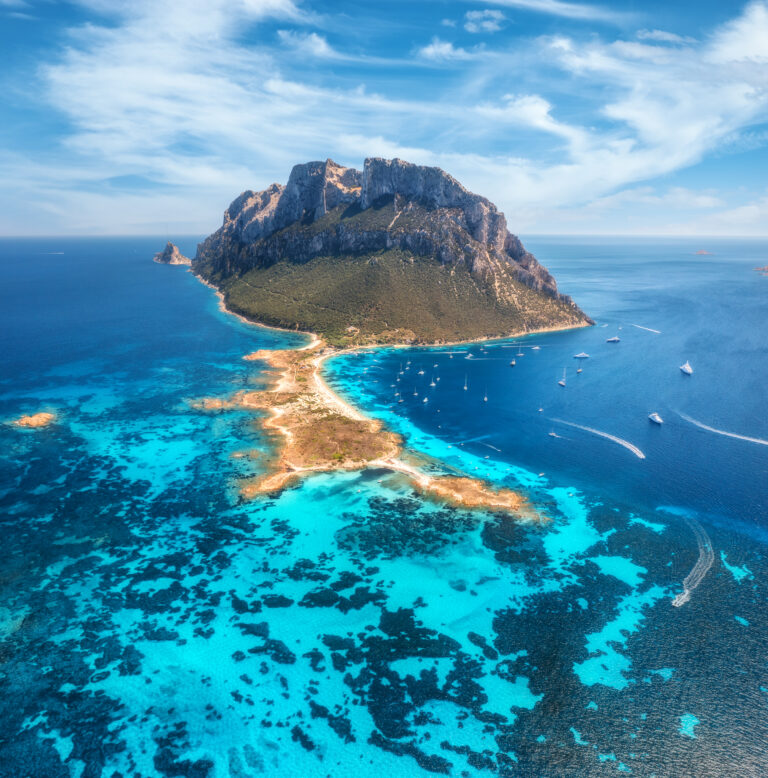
(655, 418)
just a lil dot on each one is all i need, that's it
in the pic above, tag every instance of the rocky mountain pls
(397, 252)
(171, 255)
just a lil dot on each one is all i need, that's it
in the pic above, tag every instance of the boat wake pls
(647, 329)
(629, 446)
(706, 427)
(703, 563)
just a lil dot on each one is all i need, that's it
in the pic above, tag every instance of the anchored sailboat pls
(686, 368)
(562, 380)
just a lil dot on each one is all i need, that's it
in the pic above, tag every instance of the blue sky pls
(619, 118)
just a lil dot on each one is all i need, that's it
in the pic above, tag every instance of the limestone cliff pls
(171, 255)
(397, 251)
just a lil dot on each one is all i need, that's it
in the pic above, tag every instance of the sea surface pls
(152, 624)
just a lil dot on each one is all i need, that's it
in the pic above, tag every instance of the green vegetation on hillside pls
(390, 296)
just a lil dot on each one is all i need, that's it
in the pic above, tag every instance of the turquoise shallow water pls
(150, 624)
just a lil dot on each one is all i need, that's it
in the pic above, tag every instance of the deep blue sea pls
(151, 624)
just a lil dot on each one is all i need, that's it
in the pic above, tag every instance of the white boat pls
(485, 396)
(425, 399)
(655, 418)
(421, 372)
(614, 339)
(512, 363)
(432, 382)
(582, 355)
(579, 370)
(465, 383)
(562, 380)
(535, 348)
(553, 435)
(686, 368)
(541, 410)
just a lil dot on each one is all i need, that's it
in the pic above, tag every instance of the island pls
(395, 254)
(35, 420)
(171, 255)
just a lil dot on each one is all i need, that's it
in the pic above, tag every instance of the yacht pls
(421, 372)
(614, 339)
(535, 348)
(562, 380)
(425, 399)
(512, 363)
(686, 368)
(655, 418)
(553, 435)
(582, 355)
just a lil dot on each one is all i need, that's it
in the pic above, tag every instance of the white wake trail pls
(701, 568)
(631, 447)
(706, 427)
(647, 329)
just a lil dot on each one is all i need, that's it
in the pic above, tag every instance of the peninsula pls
(320, 432)
(394, 254)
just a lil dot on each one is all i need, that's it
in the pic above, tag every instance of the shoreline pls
(291, 422)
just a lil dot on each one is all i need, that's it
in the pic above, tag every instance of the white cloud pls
(443, 51)
(483, 21)
(567, 10)
(662, 36)
(448, 22)
(745, 39)
(308, 43)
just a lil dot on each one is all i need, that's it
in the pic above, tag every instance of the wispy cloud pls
(663, 36)
(200, 111)
(565, 9)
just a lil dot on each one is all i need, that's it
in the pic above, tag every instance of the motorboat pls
(686, 368)
(655, 418)
(614, 339)
(512, 363)
(535, 348)
(582, 355)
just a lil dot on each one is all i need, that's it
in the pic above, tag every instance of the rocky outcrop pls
(463, 227)
(395, 252)
(171, 255)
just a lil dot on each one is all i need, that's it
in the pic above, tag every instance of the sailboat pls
(465, 382)
(512, 363)
(520, 351)
(485, 396)
(432, 382)
(686, 368)
(562, 380)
